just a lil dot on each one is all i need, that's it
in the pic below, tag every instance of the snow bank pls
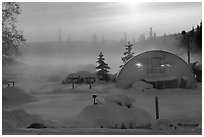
(114, 113)
(120, 99)
(18, 119)
(15, 95)
(103, 87)
(7, 125)
(199, 86)
(111, 115)
(164, 124)
(141, 86)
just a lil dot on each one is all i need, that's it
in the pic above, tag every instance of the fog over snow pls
(67, 37)
(64, 38)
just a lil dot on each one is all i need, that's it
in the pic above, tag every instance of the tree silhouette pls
(103, 68)
(11, 37)
(128, 53)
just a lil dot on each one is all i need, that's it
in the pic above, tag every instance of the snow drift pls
(15, 95)
(120, 99)
(141, 86)
(164, 124)
(18, 119)
(114, 113)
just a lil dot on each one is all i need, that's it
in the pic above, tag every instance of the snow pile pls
(115, 113)
(15, 95)
(107, 87)
(199, 86)
(7, 125)
(164, 124)
(120, 99)
(141, 85)
(18, 119)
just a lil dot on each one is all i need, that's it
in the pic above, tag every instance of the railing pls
(73, 80)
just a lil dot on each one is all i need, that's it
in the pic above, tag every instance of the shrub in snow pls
(163, 124)
(120, 99)
(141, 85)
(111, 115)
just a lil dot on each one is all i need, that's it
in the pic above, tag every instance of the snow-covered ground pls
(59, 104)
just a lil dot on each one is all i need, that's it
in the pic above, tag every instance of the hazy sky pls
(42, 21)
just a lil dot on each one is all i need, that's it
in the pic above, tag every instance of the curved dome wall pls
(160, 68)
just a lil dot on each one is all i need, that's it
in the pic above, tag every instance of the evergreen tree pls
(122, 41)
(198, 35)
(150, 33)
(103, 68)
(197, 70)
(94, 40)
(128, 53)
(125, 38)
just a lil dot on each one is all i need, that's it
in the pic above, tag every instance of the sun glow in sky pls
(42, 21)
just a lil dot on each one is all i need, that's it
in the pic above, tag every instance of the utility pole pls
(125, 38)
(68, 38)
(150, 33)
(60, 39)
(188, 42)
(60, 42)
(187, 36)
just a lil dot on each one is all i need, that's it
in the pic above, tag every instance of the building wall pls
(155, 66)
